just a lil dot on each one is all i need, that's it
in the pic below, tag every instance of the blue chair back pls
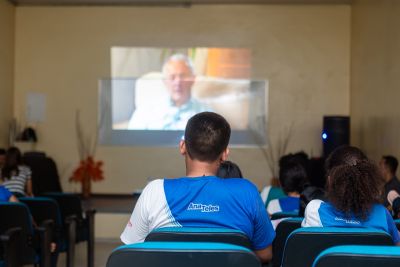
(359, 256)
(285, 214)
(182, 254)
(194, 234)
(303, 245)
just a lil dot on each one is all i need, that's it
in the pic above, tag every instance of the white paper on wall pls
(35, 107)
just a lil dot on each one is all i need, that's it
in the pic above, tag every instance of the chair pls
(359, 256)
(35, 245)
(71, 205)
(303, 245)
(281, 215)
(45, 176)
(63, 232)
(182, 254)
(191, 234)
(9, 247)
(283, 230)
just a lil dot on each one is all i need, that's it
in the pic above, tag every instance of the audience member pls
(394, 200)
(354, 186)
(229, 169)
(388, 165)
(15, 176)
(2, 157)
(201, 199)
(292, 177)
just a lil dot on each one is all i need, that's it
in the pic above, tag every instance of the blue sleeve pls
(264, 233)
(4, 194)
(392, 228)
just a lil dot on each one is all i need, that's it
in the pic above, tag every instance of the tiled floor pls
(103, 249)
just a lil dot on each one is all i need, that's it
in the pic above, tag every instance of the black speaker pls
(335, 133)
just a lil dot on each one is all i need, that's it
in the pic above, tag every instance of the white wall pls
(303, 50)
(375, 79)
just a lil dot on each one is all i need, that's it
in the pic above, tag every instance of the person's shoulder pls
(379, 208)
(153, 185)
(241, 184)
(315, 204)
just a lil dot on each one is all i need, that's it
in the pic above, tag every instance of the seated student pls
(388, 165)
(274, 191)
(393, 199)
(200, 199)
(292, 177)
(353, 191)
(228, 169)
(15, 176)
(2, 157)
(6, 196)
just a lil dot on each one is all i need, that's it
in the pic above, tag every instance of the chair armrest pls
(90, 245)
(70, 230)
(44, 234)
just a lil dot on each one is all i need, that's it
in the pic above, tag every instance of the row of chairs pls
(58, 217)
(293, 246)
(199, 254)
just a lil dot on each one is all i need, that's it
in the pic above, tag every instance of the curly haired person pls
(354, 189)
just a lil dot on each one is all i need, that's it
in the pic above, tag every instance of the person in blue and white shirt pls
(200, 199)
(354, 187)
(292, 177)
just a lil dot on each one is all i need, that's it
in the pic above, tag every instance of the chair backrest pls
(182, 254)
(303, 245)
(43, 208)
(285, 214)
(283, 230)
(45, 176)
(191, 234)
(359, 256)
(17, 215)
(70, 204)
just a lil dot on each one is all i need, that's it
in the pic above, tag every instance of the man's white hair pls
(178, 57)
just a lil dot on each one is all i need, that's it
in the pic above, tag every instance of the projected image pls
(164, 87)
(154, 91)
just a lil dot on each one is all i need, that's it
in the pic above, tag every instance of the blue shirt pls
(4, 194)
(215, 202)
(319, 213)
(284, 204)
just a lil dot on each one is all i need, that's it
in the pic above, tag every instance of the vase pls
(86, 187)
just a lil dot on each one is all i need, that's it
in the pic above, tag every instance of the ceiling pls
(168, 2)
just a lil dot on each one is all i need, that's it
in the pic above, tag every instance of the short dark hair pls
(206, 136)
(391, 162)
(292, 177)
(229, 169)
(355, 183)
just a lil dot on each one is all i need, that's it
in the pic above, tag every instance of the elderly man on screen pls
(172, 114)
